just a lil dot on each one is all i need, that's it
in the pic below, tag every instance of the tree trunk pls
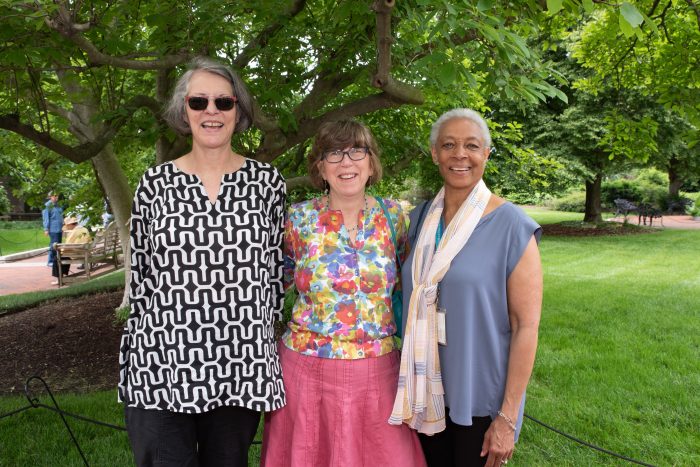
(674, 180)
(593, 209)
(85, 126)
(120, 197)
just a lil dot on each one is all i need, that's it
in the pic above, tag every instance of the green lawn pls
(16, 240)
(617, 364)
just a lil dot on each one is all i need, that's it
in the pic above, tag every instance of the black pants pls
(220, 437)
(458, 445)
(64, 267)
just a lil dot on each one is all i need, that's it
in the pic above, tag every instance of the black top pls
(206, 286)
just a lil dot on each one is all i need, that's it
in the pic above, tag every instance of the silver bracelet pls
(508, 420)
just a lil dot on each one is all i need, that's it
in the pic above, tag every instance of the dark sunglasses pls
(201, 103)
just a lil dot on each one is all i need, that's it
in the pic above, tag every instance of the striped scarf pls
(420, 400)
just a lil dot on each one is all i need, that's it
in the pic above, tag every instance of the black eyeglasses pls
(222, 103)
(355, 154)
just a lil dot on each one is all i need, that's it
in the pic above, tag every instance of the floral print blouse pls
(343, 308)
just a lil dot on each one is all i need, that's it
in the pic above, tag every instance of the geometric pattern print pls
(205, 290)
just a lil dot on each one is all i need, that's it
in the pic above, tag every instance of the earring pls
(326, 186)
(369, 181)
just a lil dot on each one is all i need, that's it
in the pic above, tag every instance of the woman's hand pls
(499, 442)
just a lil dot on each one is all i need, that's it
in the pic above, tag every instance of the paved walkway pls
(32, 274)
(669, 222)
(29, 275)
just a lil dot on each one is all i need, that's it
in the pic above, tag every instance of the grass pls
(17, 240)
(38, 436)
(616, 363)
(546, 216)
(17, 302)
(618, 352)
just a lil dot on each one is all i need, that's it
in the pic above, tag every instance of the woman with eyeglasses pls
(473, 285)
(339, 357)
(198, 361)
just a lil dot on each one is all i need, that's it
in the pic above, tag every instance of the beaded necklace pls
(354, 227)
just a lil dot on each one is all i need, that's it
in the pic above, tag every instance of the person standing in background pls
(52, 216)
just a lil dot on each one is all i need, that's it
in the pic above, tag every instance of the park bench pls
(104, 248)
(647, 211)
(624, 207)
(678, 205)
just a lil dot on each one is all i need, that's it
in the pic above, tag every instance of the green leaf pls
(484, 5)
(649, 22)
(631, 14)
(588, 6)
(625, 27)
(562, 97)
(554, 6)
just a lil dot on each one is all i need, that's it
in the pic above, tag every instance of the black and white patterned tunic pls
(206, 287)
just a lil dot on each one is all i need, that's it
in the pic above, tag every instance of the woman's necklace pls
(354, 227)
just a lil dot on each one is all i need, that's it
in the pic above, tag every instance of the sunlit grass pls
(17, 240)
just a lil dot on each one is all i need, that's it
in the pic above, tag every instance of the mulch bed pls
(72, 343)
(582, 229)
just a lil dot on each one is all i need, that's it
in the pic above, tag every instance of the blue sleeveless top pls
(474, 362)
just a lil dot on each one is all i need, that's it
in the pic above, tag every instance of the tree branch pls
(298, 182)
(63, 24)
(383, 10)
(326, 87)
(396, 90)
(276, 143)
(74, 154)
(83, 151)
(261, 40)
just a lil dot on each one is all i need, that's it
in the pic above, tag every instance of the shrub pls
(573, 202)
(621, 188)
(695, 210)
(4, 202)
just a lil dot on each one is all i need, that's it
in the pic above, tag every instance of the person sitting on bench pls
(72, 233)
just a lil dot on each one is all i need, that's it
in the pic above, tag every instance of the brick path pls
(30, 275)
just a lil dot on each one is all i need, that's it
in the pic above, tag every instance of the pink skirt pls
(337, 415)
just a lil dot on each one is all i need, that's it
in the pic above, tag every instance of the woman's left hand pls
(499, 442)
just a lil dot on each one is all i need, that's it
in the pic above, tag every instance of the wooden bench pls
(104, 248)
(679, 205)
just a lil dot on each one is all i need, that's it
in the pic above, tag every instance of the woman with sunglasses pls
(198, 360)
(339, 356)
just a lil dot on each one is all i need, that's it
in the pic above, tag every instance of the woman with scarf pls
(473, 285)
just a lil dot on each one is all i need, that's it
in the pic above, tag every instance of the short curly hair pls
(339, 135)
(175, 113)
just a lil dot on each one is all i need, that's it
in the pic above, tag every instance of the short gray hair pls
(176, 115)
(467, 114)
